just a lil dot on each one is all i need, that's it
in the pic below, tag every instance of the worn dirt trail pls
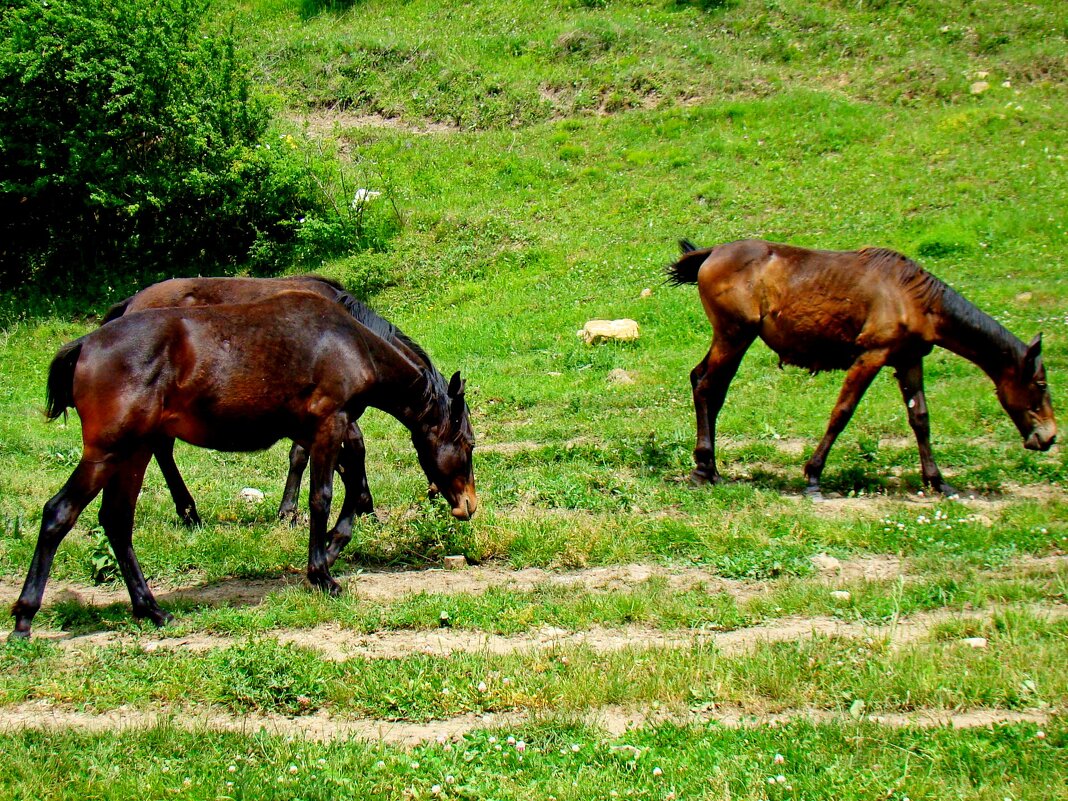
(614, 721)
(335, 642)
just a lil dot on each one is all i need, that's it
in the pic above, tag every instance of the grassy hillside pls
(542, 159)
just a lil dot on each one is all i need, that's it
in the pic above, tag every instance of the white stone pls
(602, 330)
(646, 293)
(975, 642)
(455, 562)
(979, 87)
(620, 376)
(250, 495)
(841, 595)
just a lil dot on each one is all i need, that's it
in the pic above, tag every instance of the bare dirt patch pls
(328, 122)
(615, 721)
(337, 643)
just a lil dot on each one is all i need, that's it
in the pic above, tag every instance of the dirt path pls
(336, 643)
(389, 586)
(614, 721)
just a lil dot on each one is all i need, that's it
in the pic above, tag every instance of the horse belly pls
(225, 434)
(831, 345)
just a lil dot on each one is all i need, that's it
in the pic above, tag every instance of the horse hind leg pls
(58, 517)
(352, 468)
(184, 504)
(858, 379)
(298, 461)
(710, 380)
(910, 380)
(117, 517)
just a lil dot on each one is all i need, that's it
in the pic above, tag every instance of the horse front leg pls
(858, 379)
(298, 460)
(58, 517)
(710, 380)
(117, 518)
(324, 454)
(183, 500)
(352, 467)
(910, 380)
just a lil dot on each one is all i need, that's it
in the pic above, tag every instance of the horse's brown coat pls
(236, 377)
(856, 311)
(186, 292)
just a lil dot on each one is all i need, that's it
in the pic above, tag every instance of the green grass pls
(561, 760)
(1018, 670)
(540, 161)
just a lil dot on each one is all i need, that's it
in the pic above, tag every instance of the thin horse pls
(856, 311)
(236, 378)
(186, 292)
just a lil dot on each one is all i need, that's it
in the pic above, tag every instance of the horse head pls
(1024, 394)
(445, 450)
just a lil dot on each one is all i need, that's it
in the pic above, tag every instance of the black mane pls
(382, 327)
(933, 292)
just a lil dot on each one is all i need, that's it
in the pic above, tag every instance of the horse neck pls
(406, 387)
(970, 332)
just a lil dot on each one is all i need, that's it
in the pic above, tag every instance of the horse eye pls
(1042, 385)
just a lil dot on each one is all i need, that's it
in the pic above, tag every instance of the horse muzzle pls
(1041, 438)
(465, 505)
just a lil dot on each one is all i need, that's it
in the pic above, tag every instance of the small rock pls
(455, 562)
(841, 595)
(602, 330)
(825, 564)
(620, 376)
(646, 293)
(250, 495)
(1024, 297)
(979, 87)
(975, 642)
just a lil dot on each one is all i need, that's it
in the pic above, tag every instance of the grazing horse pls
(236, 378)
(185, 292)
(856, 311)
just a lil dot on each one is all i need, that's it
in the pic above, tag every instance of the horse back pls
(188, 292)
(228, 377)
(816, 309)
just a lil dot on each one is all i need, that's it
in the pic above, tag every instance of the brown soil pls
(614, 720)
(337, 643)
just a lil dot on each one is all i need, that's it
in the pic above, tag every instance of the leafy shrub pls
(131, 137)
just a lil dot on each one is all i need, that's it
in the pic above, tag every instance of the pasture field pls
(619, 633)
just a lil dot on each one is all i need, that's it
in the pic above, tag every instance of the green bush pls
(131, 139)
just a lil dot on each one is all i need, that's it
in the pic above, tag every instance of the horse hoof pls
(17, 636)
(190, 518)
(814, 494)
(699, 478)
(948, 491)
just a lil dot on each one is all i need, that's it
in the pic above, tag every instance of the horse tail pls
(685, 270)
(116, 311)
(59, 392)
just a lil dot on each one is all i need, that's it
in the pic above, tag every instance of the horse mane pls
(933, 293)
(383, 328)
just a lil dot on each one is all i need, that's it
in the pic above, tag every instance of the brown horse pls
(185, 292)
(236, 378)
(856, 311)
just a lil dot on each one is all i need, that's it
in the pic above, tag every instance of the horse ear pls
(1033, 357)
(456, 385)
